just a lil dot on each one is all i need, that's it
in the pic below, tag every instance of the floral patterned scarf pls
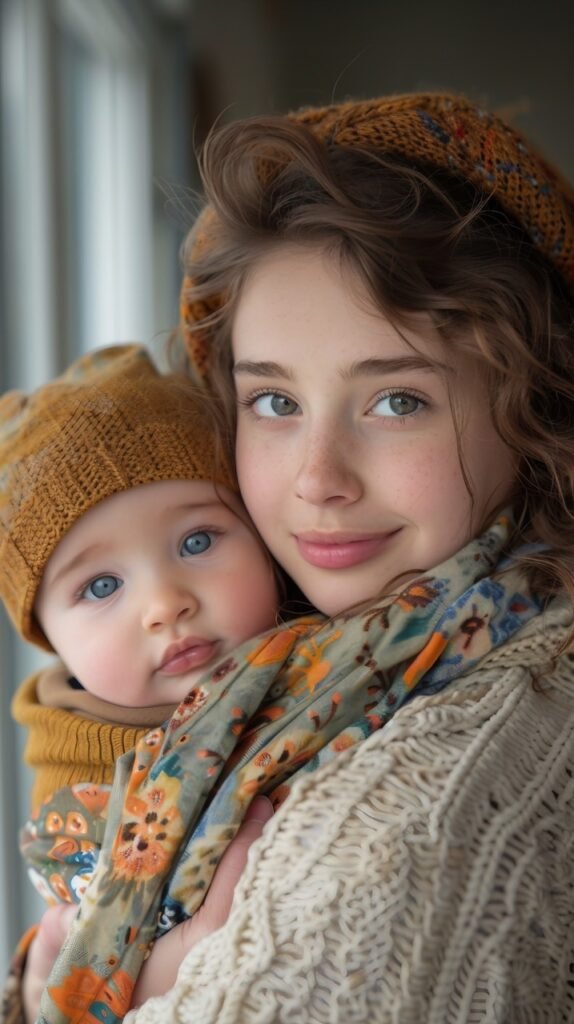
(281, 705)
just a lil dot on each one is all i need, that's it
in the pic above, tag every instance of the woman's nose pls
(166, 604)
(328, 472)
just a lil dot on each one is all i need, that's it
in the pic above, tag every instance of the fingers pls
(54, 927)
(49, 939)
(159, 972)
(259, 811)
(42, 954)
(215, 910)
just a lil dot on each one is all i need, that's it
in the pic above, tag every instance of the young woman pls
(382, 294)
(388, 286)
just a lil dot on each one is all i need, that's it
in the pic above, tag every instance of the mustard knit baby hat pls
(109, 423)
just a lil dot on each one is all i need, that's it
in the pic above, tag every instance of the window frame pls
(139, 66)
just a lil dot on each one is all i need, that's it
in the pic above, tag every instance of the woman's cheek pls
(259, 480)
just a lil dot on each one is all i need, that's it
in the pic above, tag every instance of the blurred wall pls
(255, 56)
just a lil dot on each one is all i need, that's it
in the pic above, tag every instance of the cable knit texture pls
(426, 875)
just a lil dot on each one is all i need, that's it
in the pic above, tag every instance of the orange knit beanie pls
(428, 130)
(110, 423)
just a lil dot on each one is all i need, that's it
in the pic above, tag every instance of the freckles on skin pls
(411, 474)
(417, 472)
(343, 459)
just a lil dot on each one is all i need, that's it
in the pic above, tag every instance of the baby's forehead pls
(164, 498)
(153, 507)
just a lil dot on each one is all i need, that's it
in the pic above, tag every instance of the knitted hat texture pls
(431, 130)
(110, 423)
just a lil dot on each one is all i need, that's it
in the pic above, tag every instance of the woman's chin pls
(338, 600)
(339, 596)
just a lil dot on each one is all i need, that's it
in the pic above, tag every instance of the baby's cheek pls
(100, 664)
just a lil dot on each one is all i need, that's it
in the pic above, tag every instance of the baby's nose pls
(167, 605)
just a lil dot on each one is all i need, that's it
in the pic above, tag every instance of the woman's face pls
(347, 451)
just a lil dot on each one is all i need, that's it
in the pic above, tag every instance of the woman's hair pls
(421, 241)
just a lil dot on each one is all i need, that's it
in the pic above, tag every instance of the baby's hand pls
(159, 972)
(42, 954)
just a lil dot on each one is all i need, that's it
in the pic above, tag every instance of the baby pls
(124, 548)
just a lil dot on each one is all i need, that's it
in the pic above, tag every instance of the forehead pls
(302, 293)
(116, 518)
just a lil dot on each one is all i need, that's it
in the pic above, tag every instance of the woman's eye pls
(274, 404)
(196, 543)
(101, 587)
(400, 403)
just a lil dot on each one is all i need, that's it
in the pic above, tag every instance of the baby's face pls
(151, 587)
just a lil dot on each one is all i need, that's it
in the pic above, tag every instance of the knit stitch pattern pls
(109, 423)
(425, 875)
(65, 749)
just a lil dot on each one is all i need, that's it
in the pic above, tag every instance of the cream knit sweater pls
(425, 876)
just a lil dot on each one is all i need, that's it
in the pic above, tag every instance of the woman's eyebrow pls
(364, 368)
(262, 369)
(395, 364)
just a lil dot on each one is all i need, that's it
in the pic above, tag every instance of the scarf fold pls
(283, 704)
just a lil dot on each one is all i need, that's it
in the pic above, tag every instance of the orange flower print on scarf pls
(314, 667)
(274, 648)
(146, 841)
(83, 985)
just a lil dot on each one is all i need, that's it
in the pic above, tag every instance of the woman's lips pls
(340, 551)
(187, 655)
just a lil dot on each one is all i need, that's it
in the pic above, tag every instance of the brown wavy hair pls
(422, 241)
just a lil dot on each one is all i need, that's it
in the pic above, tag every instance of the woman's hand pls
(159, 972)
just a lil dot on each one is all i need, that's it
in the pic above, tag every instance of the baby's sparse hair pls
(442, 209)
(110, 423)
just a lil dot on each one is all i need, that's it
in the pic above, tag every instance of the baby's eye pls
(196, 543)
(274, 404)
(397, 404)
(101, 587)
